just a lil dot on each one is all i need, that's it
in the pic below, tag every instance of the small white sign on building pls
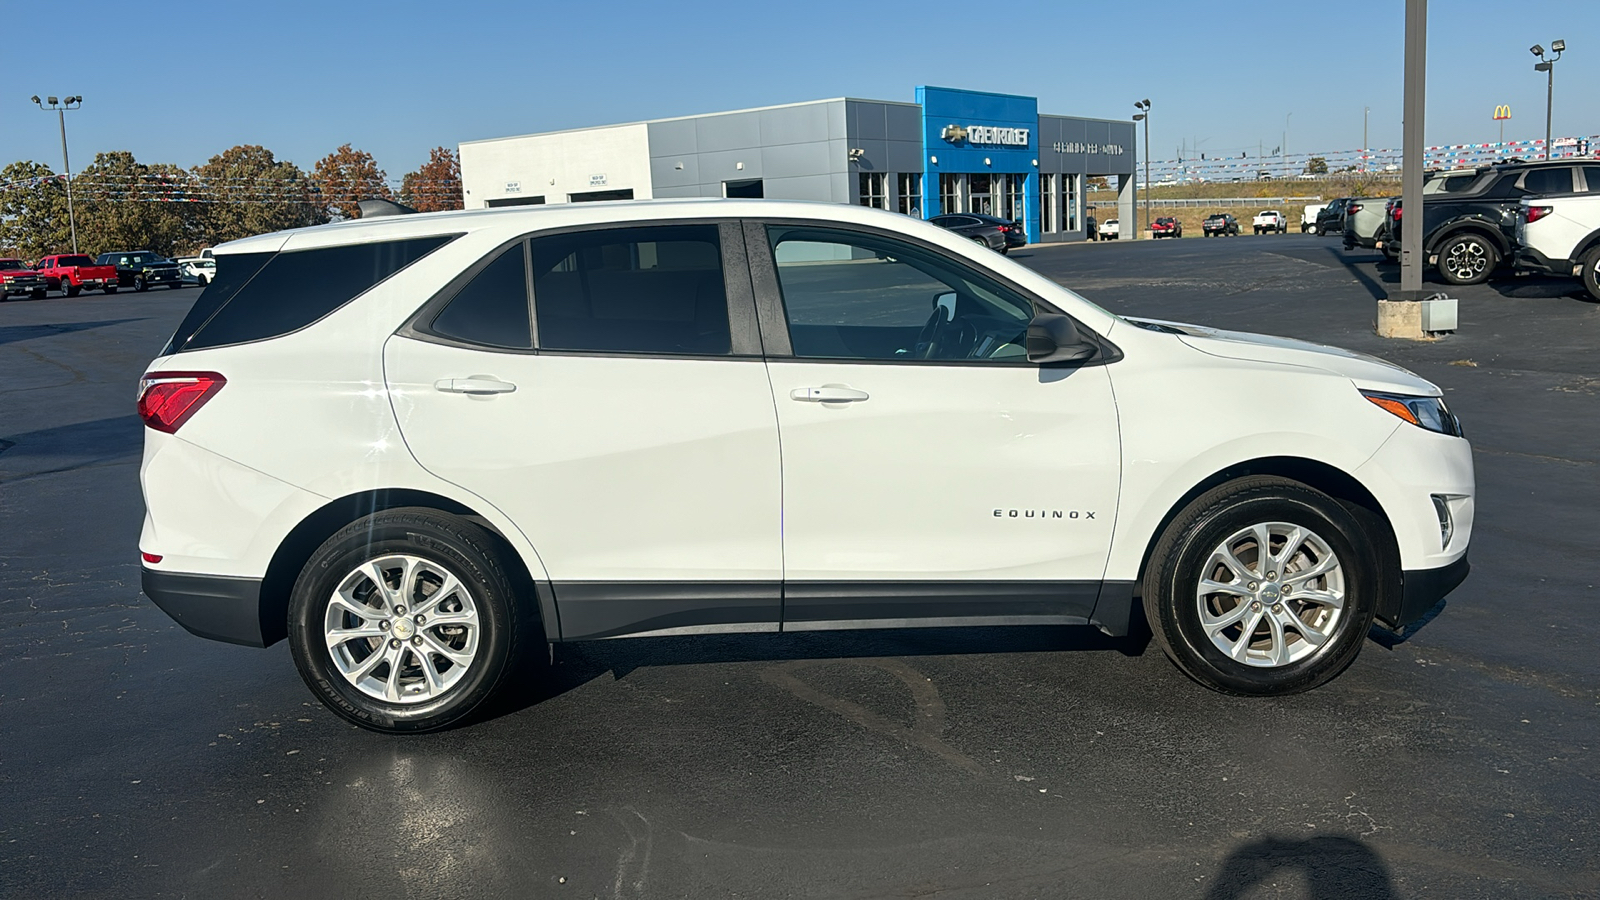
(513, 187)
(597, 180)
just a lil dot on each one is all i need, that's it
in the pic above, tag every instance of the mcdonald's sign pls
(1503, 111)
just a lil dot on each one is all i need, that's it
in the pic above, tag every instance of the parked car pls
(17, 278)
(1330, 219)
(1166, 226)
(1015, 232)
(142, 269)
(1362, 216)
(350, 442)
(1220, 224)
(1269, 220)
(71, 273)
(1308, 217)
(973, 228)
(201, 270)
(1110, 230)
(1469, 233)
(1560, 235)
(1387, 237)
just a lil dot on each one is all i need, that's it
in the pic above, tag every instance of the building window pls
(909, 193)
(951, 191)
(1047, 202)
(1010, 191)
(1069, 183)
(873, 191)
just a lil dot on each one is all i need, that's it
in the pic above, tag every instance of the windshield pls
(11, 264)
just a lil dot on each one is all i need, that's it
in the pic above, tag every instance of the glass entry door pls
(981, 193)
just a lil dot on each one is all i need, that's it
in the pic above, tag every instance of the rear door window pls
(1591, 174)
(492, 308)
(654, 290)
(291, 290)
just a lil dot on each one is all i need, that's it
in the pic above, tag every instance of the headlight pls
(1424, 412)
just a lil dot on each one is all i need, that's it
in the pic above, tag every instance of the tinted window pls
(632, 290)
(297, 288)
(234, 270)
(74, 261)
(493, 307)
(858, 296)
(1591, 174)
(9, 264)
(1548, 181)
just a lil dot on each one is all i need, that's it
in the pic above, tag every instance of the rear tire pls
(1590, 274)
(1243, 625)
(71, 290)
(410, 674)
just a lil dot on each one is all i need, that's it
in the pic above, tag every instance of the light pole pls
(1144, 116)
(1365, 111)
(1548, 66)
(61, 107)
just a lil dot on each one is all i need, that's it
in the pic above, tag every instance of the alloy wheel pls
(1271, 594)
(1467, 260)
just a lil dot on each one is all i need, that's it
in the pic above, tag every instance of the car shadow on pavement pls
(68, 447)
(577, 663)
(1332, 866)
(13, 333)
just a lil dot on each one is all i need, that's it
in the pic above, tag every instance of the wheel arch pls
(1582, 248)
(1330, 480)
(313, 530)
(1479, 227)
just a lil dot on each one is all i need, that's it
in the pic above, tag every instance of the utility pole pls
(1548, 66)
(1144, 116)
(1365, 110)
(61, 108)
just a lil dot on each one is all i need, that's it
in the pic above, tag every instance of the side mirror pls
(1054, 338)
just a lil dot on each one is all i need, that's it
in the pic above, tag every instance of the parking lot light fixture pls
(1144, 116)
(60, 107)
(1548, 67)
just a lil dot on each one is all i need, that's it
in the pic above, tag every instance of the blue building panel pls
(968, 132)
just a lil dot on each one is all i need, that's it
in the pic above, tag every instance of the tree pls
(33, 211)
(124, 204)
(246, 190)
(1317, 165)
(436, 185)
(346, 177)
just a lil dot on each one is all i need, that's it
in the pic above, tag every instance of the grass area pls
(1104, 203)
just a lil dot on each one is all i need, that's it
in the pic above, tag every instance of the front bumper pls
(219, 607)
(1422, 589)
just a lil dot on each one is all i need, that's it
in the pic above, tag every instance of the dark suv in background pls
(1330, 219)
(141, 269)
(1220, 224)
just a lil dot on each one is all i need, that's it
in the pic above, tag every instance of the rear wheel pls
(70, 290)
(202, 281)
(1467, 259)
(1262, 586)
(1591, 273)
(405, 621)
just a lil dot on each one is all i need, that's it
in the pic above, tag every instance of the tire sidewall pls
(1591, 273)
(419, 535)
(1178, 615)
(1492, 255)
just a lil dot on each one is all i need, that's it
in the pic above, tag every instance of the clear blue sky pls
(396, 78)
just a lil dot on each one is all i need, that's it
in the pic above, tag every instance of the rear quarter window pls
(288, 291)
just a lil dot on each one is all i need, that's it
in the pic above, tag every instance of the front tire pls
(1243, 623)
(1467, 259)
(405, 621)
(138, 283)
(1590, 273)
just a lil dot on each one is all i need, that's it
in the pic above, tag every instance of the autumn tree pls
(347, 176)
(246, 191)
(33, 211)
(124, 204)
(436, 185)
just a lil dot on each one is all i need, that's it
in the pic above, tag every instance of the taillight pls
(168, 399)
(1535, 213)
(1397, 213)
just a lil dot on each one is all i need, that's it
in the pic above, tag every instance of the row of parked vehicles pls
(73, 273)
(1514, 216)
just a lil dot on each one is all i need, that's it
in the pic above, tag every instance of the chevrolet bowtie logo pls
(955, 134)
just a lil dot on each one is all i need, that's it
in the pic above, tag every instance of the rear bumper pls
(219, 607)
(1422, 589)
(1532, 260)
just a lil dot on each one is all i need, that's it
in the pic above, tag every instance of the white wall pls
(556, 165)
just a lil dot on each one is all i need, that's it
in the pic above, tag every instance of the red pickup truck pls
(17, 278)
(72, 272)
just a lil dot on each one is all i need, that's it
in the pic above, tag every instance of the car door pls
(931, 473)
(629, 434)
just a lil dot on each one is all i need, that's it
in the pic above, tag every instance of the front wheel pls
(1467, 259)
(138, 283)
(405, 621)
(1591, 273)
(1262, 586)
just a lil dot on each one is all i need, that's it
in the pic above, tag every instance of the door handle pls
(827, 394)
(478, 384)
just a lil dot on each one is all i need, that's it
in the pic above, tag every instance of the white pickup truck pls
(1110, 230)
(1308, 217)
(1270, 220)
(1561, 236)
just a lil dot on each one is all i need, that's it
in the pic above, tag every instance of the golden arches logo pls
(1503, 111)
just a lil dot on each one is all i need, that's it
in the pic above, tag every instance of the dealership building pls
(951, 151)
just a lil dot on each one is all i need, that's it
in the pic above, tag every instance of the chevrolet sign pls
(986, 134)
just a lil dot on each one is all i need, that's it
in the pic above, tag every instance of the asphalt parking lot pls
(136, 760)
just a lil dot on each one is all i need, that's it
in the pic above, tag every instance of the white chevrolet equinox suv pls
(423, 446)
